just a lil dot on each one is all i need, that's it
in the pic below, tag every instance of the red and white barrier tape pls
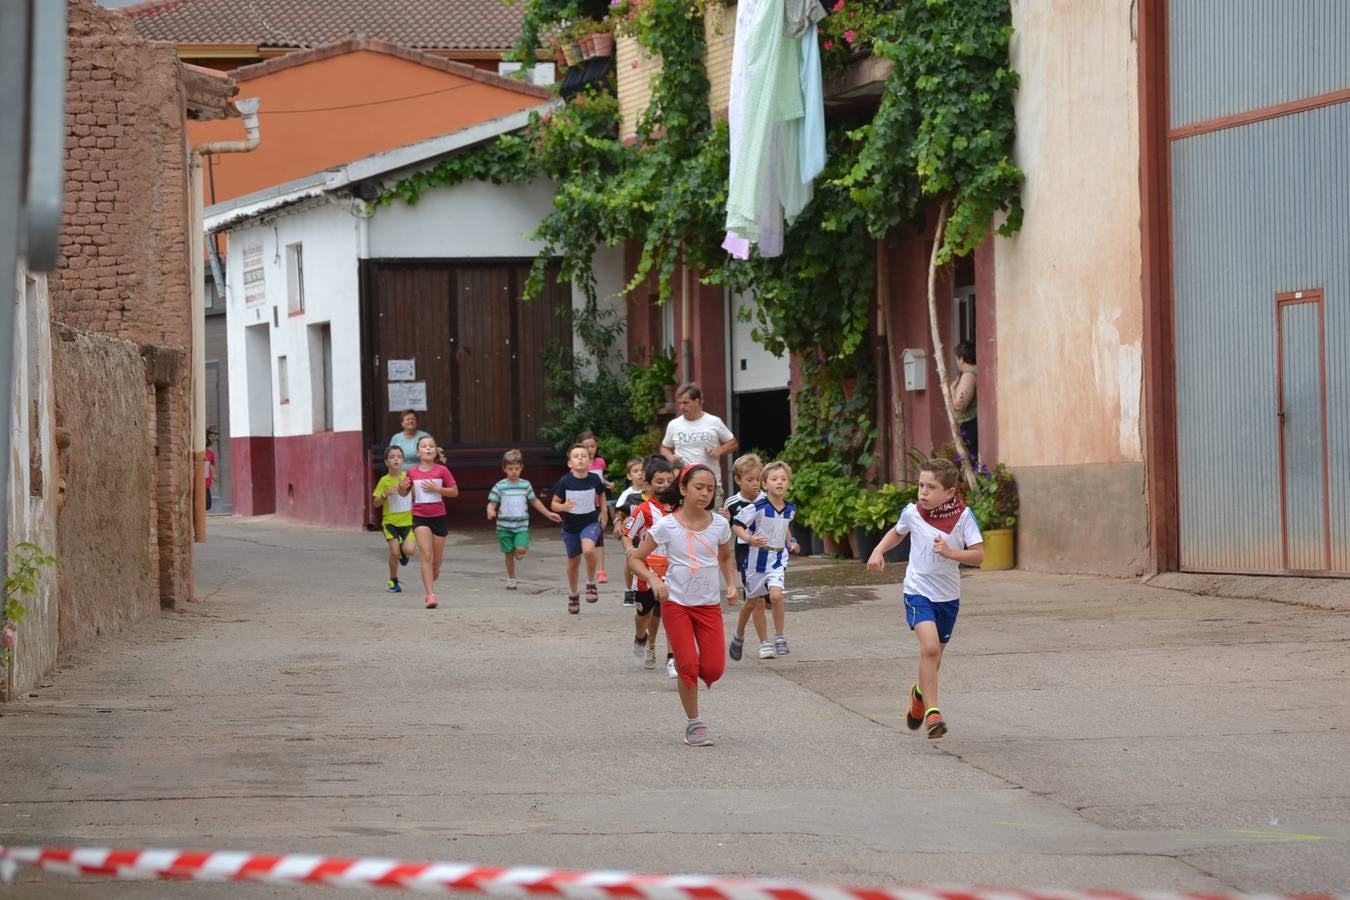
(515, 881)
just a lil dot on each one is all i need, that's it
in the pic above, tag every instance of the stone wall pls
(109, 576)
(124, 264)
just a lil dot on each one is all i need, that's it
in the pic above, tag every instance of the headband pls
(684, 473)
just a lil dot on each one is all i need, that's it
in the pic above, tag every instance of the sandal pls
(573, 604)
(592, 593)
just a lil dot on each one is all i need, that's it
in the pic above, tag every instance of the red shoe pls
(431, 601)
(914, 715)
(936, 725)
(601, 577)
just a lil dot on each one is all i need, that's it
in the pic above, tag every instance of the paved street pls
(1104, 733)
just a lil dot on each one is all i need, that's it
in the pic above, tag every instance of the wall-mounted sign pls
(402, 369)
(408, 395)
(255, 289)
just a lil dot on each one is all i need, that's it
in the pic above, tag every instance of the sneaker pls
(592, 593)
(766, 650)
(780, 646)
(630, 598)
(737, 647)
(670, 669)
(402, 560)
(650, 661)
(573, 604)
(510, 584)
(696, 734)
(431, 601)
(936, 725)
(639, 651)
(602, 577)
(914, 715)
(392, 586)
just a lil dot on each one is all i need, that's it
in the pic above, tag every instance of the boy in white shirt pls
(943, 535)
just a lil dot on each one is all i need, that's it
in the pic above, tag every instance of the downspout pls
(197, 250)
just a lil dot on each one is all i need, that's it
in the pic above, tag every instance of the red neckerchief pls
(945, 517)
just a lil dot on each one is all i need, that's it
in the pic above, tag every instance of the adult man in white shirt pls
(696, 436)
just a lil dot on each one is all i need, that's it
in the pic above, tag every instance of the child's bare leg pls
(393, 558)
(653, 627)
(438, 547)
(410, 546)
(779, 610)
(642, 626)
(689, 698)
(425, 546)
(573, 569)
(599, 559)
(510, 565)
(746, 610)
(591, 552)
(930, 660)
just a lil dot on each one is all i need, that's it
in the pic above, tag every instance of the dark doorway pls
(762, 421)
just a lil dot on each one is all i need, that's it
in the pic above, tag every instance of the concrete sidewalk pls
(1104, 733)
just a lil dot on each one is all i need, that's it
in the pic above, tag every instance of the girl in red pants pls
(698, 547)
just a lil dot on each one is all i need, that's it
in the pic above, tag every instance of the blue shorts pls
(572, 539)
(919, 608)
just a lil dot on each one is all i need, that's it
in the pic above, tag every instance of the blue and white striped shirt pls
(761, 517)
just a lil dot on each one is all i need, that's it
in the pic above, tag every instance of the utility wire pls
(276, 112)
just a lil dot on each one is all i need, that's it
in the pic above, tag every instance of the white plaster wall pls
(329, 234)
(1069, 305)
(31, 516)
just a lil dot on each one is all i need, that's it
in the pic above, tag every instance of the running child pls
(509, 504)
(659, 475)
(580, 497)
(746, 471)
(393, 495)
(587, 440)
(942, 535)
(765, 525)
(431, 484)
(632, 495)
(697, 543)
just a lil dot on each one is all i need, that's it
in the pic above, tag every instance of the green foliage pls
(878, 510)
(826, 497)
(994, 500)
(647, 385)
(26, 563)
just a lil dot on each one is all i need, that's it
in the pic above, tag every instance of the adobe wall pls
(109, 564)
(123, 268)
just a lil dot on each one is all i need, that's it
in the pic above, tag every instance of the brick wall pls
(636, 68)
(124, 267)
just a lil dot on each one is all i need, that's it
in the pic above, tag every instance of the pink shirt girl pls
(429, 504)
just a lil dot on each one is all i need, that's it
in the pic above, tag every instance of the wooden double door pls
(459, 333)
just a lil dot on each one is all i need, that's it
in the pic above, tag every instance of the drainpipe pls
(249, 108)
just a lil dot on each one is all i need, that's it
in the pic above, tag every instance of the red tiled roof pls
(420, 24)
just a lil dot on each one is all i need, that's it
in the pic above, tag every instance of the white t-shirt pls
(930, 575)
(693, 577)
(691, 441)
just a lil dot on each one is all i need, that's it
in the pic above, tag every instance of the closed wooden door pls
(412, 320)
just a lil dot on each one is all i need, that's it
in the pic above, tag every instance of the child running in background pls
(697, 543)
(746, 472)
(431, 484)
(587, 440)
(580, 497)
(393, 495)
(659, 475)
(765, 526)
(943, 535)
(632, 495)
(509, 504)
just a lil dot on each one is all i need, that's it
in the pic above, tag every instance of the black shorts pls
(394, 532)
(647, 604)
(439, 525)
(742, 558)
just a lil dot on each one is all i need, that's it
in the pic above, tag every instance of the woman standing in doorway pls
(406, 440)
(963, 398)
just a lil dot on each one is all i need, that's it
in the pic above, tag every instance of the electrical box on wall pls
(916, 369)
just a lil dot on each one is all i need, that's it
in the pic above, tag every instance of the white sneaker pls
(510, 584)
(639, 651)
(766, 650)
(670, 669)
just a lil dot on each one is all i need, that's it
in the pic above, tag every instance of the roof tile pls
(419, 24)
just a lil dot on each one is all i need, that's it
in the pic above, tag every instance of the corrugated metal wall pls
(1231, 56)
(1257, 210)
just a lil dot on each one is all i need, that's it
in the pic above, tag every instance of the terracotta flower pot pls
(587, 46)
(838, 546)
(603, 43)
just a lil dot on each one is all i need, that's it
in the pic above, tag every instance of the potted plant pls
(809, 480)
(994, 503)
(602, 40)
(876, 513)
(833, 514)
